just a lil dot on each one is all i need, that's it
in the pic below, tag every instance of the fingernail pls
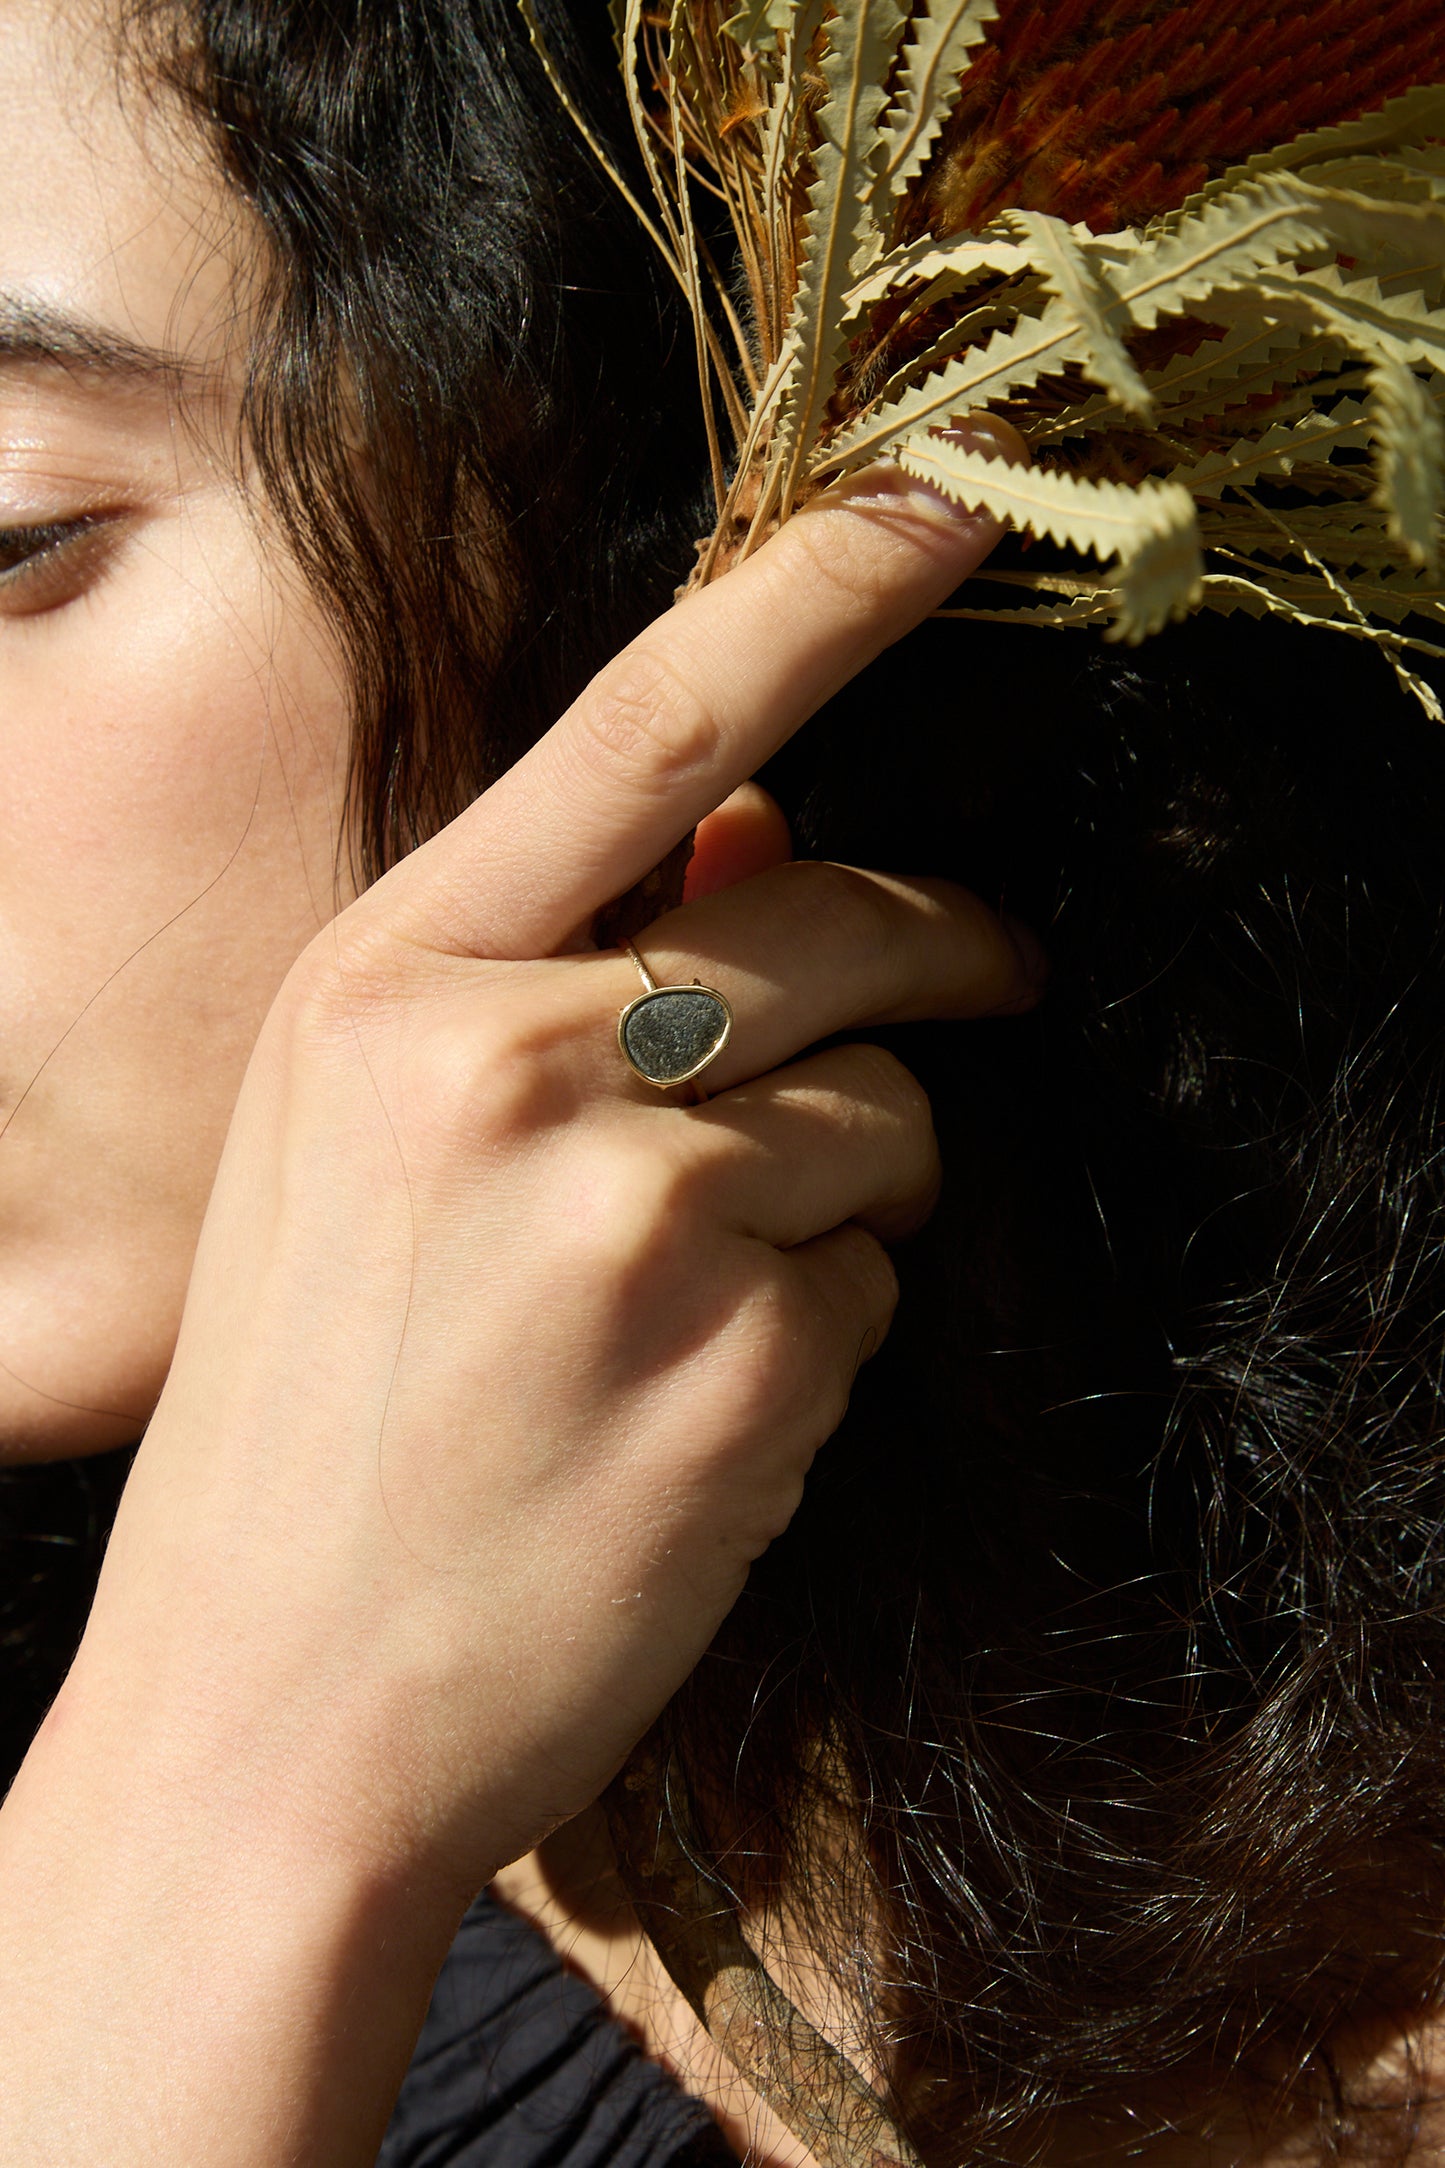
(991, 435)
(988, 435)
(1033, 966)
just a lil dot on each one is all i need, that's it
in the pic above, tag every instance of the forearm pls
(493, 1380)
(195, 1969)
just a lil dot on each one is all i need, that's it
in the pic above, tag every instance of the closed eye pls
(20, 546)
(43, 565)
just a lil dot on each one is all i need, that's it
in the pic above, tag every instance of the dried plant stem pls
(1208, 344)
(579, 121)
(690, 1921)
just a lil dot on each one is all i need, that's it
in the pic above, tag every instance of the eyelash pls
(22, 547)
(28, 553)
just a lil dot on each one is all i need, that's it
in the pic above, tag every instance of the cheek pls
(174, 738)
(175, 749)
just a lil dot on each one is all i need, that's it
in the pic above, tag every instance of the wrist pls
(197, 1964)
(252, 1704)
(258, 1645)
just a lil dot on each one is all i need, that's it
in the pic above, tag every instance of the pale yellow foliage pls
(1283, 330)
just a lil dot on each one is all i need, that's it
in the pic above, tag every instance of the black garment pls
(519, 2065)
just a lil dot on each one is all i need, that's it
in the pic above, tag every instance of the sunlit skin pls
(175, 734)
(174, 727)
(174, 719)
(176, 731)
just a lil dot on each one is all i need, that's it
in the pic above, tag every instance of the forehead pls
(116, 229)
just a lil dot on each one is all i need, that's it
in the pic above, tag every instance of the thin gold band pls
(648, 981)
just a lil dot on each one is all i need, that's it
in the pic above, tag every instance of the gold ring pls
(670, 1034)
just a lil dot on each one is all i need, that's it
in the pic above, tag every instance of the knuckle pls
(773, 1358)
(646, 725)
(650, 1193)
(878, 1077)
(837, 906)
(355, 973)
(343, 973)
(483, 1075)
(875, 1274)
(329, 1004)
(806, 1342)
(630, 1215)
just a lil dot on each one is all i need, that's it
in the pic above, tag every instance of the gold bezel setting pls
(649, 998)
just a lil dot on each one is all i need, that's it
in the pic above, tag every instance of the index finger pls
(693, 706)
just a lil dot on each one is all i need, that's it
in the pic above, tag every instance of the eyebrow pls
(35, 335)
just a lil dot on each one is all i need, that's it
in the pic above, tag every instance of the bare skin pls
(282, 1169)
(307, 1721)
(175, 731)
(287, 1654)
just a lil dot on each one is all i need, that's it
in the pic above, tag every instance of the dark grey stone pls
(670, 1034)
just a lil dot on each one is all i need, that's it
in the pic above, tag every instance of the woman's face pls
(173, 719)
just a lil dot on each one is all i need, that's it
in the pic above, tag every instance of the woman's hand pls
(497, 1368)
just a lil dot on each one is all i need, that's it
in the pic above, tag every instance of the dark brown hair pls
(470, 395)
(1117, 1599)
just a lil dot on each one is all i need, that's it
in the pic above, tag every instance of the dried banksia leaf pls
(1191, 252)
(1084, 286)
(1149, 529)
(1406, 423)
(939, 47)
(840, 230)
(755, 19)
